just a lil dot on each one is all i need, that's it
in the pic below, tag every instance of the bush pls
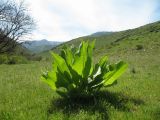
(17, 60)
(74, 74)
(3, 59)
(10, 59)
(34, 57)
(139, 47)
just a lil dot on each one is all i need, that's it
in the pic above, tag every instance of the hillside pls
(19, 55)
(135, 36)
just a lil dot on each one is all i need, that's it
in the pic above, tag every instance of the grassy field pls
(136, 96)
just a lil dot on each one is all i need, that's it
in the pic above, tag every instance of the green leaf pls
(62, 80)
(89, 64)
(67, 54)
(80, 58)
(97, 78)
(61, 64)
(111, 77)
(50, 78)
(75, 76)
(103, 62)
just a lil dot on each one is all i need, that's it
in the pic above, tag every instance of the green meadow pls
(23, 96)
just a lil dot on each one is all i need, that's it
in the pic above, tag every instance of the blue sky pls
(62, 20)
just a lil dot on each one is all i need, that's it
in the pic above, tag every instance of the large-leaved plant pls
(74, 73)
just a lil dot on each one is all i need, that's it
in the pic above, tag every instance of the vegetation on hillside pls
(20, 55)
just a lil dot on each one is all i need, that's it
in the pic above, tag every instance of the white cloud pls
(65, 19)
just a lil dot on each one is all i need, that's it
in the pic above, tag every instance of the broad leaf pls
(119, 70)
(50, 78)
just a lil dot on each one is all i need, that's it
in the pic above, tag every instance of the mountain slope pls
(135, 36)
(39, 46)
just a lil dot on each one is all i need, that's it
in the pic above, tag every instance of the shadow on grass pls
(102, 102)
(156, 114)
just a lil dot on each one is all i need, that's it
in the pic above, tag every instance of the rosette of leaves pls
(75, 75)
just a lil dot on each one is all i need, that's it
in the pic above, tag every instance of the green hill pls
(133, 36)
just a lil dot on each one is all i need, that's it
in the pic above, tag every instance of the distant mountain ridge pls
(37, 46)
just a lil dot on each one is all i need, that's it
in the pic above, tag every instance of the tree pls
(15, 23)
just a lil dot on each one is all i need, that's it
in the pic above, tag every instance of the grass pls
(136, 96)
(22, 94)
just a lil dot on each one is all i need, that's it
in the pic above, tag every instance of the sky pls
(63, 20)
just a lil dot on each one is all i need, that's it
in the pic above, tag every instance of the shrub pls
(139, 47)
(33, 57)
(3, 59)
(10, 59)
(17, 60)
(74, 74)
